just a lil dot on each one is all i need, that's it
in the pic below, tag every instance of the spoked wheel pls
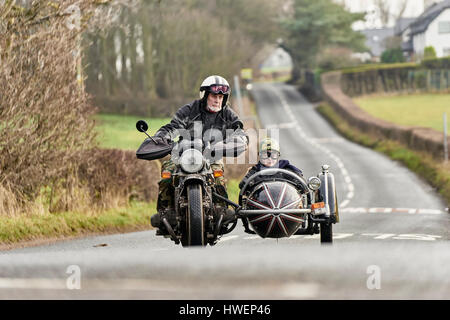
(326, 232)
(194, 234)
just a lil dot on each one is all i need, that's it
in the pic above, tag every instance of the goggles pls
(223, 89)
(266, 155)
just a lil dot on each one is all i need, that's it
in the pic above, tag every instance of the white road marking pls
(313, 142)
(429, 211)
(314, 236)
(344, 203)
(93, 284)
(252, 237)
(299, 290)
(422, 237)
(338, 236)
(375, 236)
(228, 238)
(33, 283)
(380, 236)
(392, 210)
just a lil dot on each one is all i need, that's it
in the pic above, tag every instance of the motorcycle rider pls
(213, 112)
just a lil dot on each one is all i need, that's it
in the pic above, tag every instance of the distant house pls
(376, 39)
(431, 28)
(402, 29)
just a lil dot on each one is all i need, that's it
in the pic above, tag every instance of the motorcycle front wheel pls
(195, 228)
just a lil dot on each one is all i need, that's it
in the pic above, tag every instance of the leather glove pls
(160, 139)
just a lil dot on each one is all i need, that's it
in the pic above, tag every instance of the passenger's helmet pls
(269, 144)
(269, 152)
(215, 84)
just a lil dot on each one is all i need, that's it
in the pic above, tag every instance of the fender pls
(192, 178)
(328, 192)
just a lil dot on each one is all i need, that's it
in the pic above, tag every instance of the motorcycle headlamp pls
(314, 183)
(191, 160)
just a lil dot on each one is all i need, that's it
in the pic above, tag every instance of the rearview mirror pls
(141, 126)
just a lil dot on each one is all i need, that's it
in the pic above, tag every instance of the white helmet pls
(215, 84)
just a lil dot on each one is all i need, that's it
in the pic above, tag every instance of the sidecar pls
(278, 203)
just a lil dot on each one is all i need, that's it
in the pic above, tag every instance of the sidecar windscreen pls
(149, 150)
(273, 174)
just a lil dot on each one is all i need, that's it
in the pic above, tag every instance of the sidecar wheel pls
(326, 233)
(195, 223)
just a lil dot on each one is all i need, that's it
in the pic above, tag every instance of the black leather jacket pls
(187, 115)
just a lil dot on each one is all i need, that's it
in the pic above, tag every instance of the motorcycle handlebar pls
(212, 152)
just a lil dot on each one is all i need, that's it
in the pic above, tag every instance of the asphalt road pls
(392, 241)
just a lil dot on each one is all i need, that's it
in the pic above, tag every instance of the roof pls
(423, 21)
(375, 39)
(402, 24)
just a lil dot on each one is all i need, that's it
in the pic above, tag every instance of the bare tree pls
(386, 10)
(175, 44)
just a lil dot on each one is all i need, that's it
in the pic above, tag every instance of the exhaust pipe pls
(169, 228)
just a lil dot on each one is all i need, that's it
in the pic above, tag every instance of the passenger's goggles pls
(266, 155)
(223, 89)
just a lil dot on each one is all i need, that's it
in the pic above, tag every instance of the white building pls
(432, 28)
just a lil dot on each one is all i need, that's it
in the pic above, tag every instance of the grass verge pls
(233, 190)
(74, 224)
(435, 173)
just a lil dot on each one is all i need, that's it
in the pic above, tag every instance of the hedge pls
(437, 63)
(431, 75)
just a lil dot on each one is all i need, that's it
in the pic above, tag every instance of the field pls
(410, 110)
(119, 131)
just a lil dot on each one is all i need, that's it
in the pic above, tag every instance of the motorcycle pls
(201, 215)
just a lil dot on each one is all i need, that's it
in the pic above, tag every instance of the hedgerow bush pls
(439, 63)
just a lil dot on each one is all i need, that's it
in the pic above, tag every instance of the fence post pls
(445, 138)
(237, 89)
